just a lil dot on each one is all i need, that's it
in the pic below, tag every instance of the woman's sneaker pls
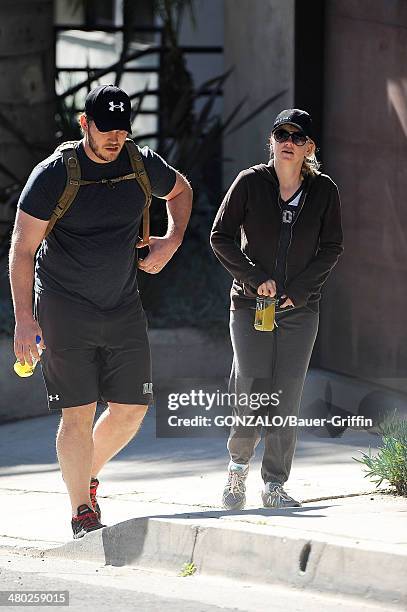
(94, 483)
(274, 496)
(234, 493)
(84, 521)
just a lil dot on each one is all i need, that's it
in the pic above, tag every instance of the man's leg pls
(113, 430)
(74, 445)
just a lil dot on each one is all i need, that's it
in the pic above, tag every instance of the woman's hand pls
(288, 302)
(267, 288)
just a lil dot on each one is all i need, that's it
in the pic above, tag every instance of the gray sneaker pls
(274, 496)
(234, 493)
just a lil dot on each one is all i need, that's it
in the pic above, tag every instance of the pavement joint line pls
(172, 503)
(197, 529)
(31, 491)
(167, 503)
(19, 538)
(114, 496)
(375, 492)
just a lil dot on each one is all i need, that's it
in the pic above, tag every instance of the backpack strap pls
(144, 182)
(73, 182)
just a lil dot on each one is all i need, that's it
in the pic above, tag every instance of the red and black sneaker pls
(94, 483)
(84, 521)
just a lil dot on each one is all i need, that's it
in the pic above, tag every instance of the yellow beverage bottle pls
(24, 370)
(264, 319)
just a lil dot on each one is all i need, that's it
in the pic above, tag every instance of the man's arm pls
(162, 248)
(27, 236)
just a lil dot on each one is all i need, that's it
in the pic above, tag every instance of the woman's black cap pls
(298, 118)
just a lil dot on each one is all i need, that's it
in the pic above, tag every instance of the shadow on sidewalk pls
(260, 511)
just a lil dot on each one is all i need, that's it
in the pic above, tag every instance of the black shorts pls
(92, 355)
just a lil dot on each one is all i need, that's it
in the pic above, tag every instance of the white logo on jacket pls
(287, 216)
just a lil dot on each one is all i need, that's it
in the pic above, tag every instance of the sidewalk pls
(161, 501)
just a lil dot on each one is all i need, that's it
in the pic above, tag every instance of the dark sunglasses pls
(298, 138)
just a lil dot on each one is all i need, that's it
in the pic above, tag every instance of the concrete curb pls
(256, 553)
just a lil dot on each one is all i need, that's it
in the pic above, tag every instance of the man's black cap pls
(298, 118)
(109, 107)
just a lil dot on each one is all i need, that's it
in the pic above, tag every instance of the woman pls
(289, 219)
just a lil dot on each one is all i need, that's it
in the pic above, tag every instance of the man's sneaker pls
(84, 521)
(274, 496)
(234, 493)
(94, 483)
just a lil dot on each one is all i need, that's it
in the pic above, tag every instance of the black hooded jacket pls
(251, 206)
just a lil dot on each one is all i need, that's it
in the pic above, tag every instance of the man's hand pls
(25, 333)
(288, 302)
(161, 250)
(267, 288)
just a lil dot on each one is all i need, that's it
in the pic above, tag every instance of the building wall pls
(259, 46)
(27, 89)
(363, 321)
(363, 147)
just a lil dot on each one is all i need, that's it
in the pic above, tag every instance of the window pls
(99, 12)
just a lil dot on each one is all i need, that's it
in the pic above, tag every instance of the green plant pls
(188, 569)
(390, 463)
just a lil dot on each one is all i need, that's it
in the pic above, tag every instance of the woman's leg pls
(251, 374)
(295, 337)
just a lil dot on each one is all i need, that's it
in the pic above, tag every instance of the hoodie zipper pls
(291, 233)
(279, 237)
(308, 187)
(276, 186)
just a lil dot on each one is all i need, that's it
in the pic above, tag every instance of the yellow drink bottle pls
(264, 319)
(24, 370)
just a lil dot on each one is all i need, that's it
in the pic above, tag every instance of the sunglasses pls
(298, 138)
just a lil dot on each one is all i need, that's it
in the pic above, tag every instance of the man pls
(87, 306)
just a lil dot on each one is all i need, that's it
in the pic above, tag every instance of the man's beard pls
(97, 151)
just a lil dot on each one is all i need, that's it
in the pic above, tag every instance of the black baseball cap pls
(298, 118)
(110, 108)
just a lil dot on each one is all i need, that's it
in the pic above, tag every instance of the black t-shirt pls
(289, 210)
(90, 255)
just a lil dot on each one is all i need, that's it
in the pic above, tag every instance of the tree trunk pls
(27, 91)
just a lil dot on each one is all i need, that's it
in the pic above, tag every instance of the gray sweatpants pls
(270, 362)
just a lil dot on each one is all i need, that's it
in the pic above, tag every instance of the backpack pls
(74, 182)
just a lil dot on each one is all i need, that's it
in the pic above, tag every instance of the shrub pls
(390, 463)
